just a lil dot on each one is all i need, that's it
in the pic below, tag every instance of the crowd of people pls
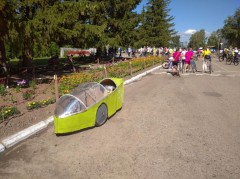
(184, 57)
(147, 50)
(226, 52)
(175, 56)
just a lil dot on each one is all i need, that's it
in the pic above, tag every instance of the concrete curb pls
(18, 137)
(2, 148)
(24, 134)
(138, 77)
(49, 120)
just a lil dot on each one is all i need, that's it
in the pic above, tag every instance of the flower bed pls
(40, 104)
(7, 112)
(119, 69)
(14, 100)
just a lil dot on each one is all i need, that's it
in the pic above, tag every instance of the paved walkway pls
(169, 127)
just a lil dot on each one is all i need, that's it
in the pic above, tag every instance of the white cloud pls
(184, 36)
(190, 31)
(207, 34)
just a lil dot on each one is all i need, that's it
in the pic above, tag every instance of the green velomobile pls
(89, 105)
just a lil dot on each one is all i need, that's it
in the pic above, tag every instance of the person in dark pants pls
(70, 58)
(120, 52)
(235, 54)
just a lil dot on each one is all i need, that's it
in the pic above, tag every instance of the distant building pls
(77, 52)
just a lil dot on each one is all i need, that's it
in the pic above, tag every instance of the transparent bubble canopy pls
(82, 97)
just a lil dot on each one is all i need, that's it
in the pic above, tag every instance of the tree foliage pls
(213, 40)
(6, 19)
(175, 42)
(39, 26)
(35, 28)
(231, 29)
(155, 27)
(197, 39)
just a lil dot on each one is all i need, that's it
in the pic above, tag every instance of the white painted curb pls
(138, 77)
(24, 134)
(2, 148)
(18, 137)
(49, 120)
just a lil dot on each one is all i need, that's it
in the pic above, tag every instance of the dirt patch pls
(26, 118)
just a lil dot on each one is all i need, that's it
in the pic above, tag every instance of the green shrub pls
(40, 104)
(33, 84)
(6, 112)
(3, 90)
(18, 89)
(28, 94)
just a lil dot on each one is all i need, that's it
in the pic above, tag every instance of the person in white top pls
(183, 56)
(235, 54)
(129, 51)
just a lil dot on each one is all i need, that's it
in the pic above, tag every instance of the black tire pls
(179, 67)
(228, 61)
(210, 67)
(101, 115)
(220, 58)
(183, 67)
(236, 62)
(165, 65)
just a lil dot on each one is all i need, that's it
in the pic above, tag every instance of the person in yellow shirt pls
(225, 53)
(154, 51)
(170, 51)
(206, 54)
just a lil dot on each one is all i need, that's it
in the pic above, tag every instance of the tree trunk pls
(3, 55)
(27, 54)
(98, 54)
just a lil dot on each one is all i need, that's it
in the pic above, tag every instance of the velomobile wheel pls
(102, 114)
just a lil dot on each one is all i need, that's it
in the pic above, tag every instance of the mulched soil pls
(26, 118)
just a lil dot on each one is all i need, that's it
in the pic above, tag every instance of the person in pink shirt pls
(188, 56)
(176, 58)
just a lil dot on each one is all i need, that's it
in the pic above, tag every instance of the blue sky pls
(193, 15)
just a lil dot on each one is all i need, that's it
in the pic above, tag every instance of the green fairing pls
(87, 118)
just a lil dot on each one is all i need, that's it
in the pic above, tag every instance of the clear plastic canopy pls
(82, 97)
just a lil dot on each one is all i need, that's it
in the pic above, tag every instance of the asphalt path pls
(169, 127)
